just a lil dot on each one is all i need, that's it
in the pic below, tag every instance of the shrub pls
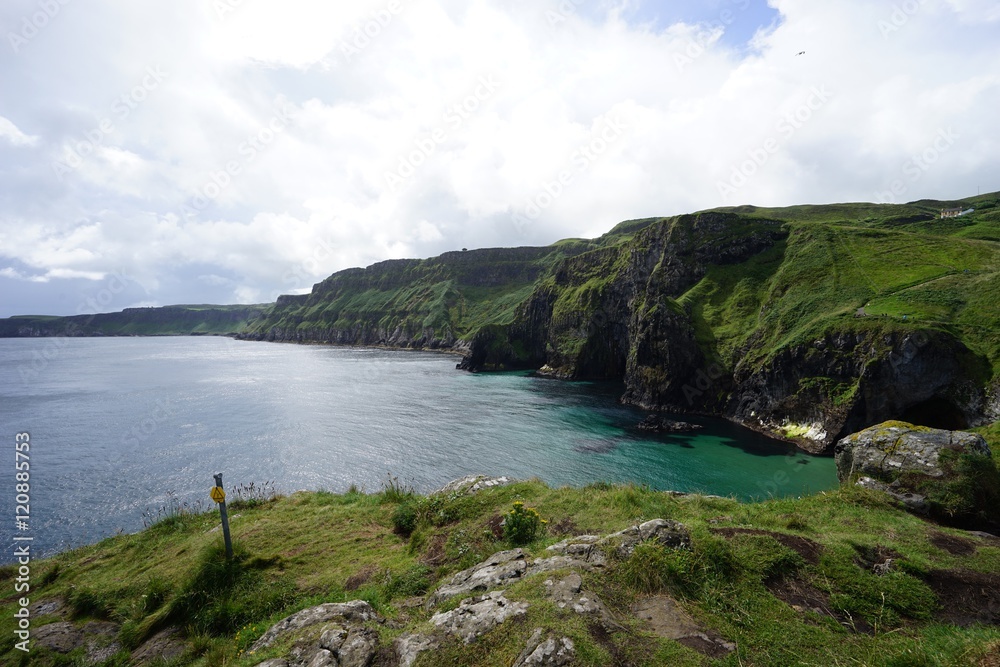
(522, 524)
(404, 518)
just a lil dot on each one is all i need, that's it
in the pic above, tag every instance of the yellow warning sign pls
(218, 494)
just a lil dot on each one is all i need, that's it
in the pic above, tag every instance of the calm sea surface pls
(120, 426)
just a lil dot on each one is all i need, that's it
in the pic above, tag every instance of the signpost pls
(218, 494)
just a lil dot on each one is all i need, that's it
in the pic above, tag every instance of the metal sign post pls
(219, 495)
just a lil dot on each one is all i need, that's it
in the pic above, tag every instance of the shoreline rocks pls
(659, 424)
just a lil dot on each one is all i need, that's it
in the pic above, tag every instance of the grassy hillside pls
(182, 320)
(788, 581)
(819, 278)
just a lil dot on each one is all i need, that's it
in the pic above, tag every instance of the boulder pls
(548, 653)
(355, 611)
(408, 647)
(889, 450)
(476, 616)
(950, 475)
(496, 571)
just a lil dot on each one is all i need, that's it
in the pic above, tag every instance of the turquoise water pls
(121, 425)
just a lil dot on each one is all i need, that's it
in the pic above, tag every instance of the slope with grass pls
(432, 303)
(794, 581)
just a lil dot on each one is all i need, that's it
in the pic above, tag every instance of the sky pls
(228, 151)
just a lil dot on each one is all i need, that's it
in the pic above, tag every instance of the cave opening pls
(936, 412)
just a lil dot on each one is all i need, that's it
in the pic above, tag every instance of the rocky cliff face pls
(846, 381)
(621, 312)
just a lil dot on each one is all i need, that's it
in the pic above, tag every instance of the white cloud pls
(11, 133)
(481, 109)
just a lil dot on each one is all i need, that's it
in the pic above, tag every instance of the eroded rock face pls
(892, 449)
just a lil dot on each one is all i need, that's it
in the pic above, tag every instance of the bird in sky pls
(801, 53)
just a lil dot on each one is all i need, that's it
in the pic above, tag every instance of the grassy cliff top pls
(789, 581)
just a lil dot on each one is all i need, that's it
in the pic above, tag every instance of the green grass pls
(310, 548)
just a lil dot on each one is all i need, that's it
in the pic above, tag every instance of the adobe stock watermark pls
(366, 33)
(247, 151)
(453, 119)
(305, 271)
(562, 12)
(91, 305)
(224, 8)
(786, 127)
(914, 168)
(697, 47)
(32, 24)
(121, 109)
(899, 17)
(610, 131)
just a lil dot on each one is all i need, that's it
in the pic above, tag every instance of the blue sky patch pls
(740, 18)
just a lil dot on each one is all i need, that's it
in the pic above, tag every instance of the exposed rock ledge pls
(345, 635)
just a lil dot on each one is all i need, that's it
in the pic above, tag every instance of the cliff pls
(807, 323)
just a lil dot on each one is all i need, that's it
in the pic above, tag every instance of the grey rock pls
(568, 593)
(408, 647)
(671, 534)
(540, 565)
(332, 638)
(358, 648)
(322, 658)
(471, 484)
(45, 607)
(888, 450)
(500, 569)
(273, 662)
(163, 646)
(64, 636)
(912, 501)
(98, 652)
(582, 549)
(475, 616)
(356, 611)
(593, 550)
(982, 535)
(548, 653)
(665, 618)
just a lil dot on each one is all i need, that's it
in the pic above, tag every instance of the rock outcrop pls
(891, 450)
(950, 474)
(660, 424)
(345, 634)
